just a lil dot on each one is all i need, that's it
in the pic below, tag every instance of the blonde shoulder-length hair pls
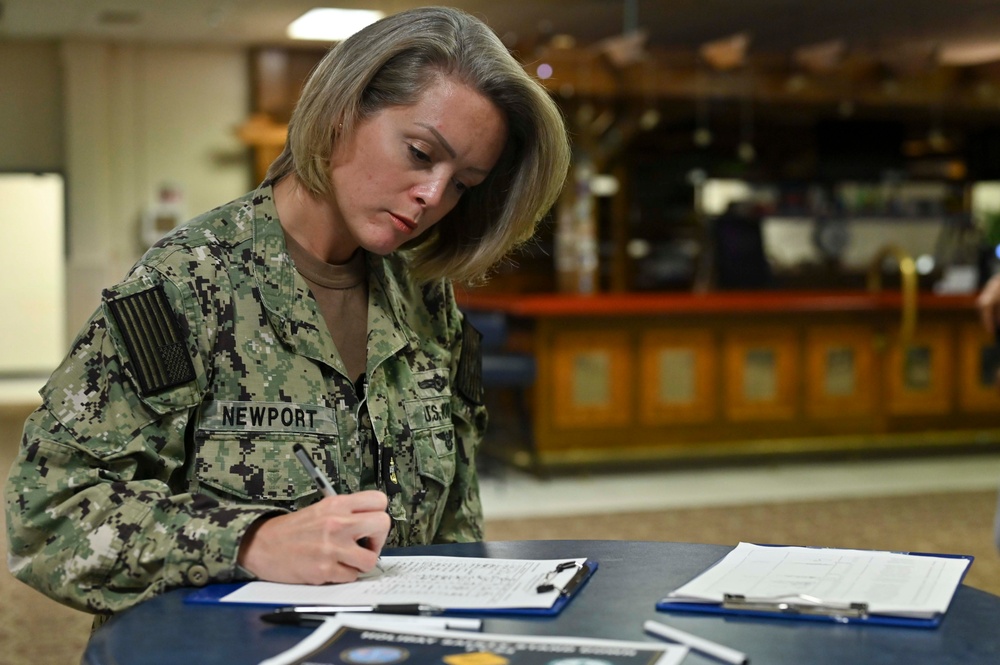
(391, 63)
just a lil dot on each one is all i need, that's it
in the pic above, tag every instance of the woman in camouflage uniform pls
(317, 310)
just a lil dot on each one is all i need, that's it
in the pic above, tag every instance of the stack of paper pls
(824, 581)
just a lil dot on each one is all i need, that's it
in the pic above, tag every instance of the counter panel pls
(650, 376)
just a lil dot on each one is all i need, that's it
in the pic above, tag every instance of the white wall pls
(117, 120)
(138, 117)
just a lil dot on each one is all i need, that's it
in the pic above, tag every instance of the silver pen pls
(322, 482)
(318, 478)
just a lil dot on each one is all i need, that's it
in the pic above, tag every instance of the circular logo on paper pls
(579, 661)
(374, 655)
(475, 658)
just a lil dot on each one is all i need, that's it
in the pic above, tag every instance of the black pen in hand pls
(321, 481)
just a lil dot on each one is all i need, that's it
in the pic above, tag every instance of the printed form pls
(448, 582)
(891, 583)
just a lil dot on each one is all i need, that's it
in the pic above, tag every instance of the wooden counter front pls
(630, 377)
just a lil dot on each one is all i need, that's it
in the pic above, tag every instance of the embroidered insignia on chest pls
(151, 334)
(437, 383)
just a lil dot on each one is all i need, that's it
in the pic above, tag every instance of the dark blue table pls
(621, 595)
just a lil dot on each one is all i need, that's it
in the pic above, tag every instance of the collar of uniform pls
(283, 292)
(400, 290)
(386, 306)
(276, 278)
(273, 268)
(293, 313)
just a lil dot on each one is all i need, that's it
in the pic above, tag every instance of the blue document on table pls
(825, 584)
(459, 585)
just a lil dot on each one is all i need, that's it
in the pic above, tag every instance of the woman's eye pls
(461, 187)
(419, 155)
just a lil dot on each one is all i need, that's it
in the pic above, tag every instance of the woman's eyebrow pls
(441, 139)
(447, 146)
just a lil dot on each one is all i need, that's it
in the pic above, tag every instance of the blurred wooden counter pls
(644, 376)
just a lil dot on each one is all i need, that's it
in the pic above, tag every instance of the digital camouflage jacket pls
(168, 429)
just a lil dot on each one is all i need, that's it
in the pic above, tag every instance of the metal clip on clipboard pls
(547, 584)
(797, 604)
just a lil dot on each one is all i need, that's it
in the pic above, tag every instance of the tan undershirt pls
(341, 292)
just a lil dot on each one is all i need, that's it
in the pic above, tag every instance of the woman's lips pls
(404, 224)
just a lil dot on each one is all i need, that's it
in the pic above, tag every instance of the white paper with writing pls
(891, 583)
(447, 582)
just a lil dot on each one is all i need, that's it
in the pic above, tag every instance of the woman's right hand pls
(333, 540)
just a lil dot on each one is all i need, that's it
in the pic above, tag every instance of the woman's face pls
(406, 167)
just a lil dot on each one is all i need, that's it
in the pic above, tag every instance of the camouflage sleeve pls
(463, 515)
(98, 516)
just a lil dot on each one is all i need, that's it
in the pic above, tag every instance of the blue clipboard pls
(214, 593)
(566, 594)
(737, 606)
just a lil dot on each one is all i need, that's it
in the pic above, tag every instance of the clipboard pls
(566, 593)
(213, 594)
(806, 608)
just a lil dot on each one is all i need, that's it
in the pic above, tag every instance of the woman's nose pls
(429, 193)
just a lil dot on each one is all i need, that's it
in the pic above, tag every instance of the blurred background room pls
(750, 317)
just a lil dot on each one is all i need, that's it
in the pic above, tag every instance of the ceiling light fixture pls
(328, 24)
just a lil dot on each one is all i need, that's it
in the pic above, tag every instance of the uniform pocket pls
(435, 453)
(430, 482)
(433, 437)
(261, 466)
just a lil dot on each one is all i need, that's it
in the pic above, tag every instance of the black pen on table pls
(321, 481)
(313, 613)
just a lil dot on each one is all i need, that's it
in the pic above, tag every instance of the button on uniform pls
(197, 575)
